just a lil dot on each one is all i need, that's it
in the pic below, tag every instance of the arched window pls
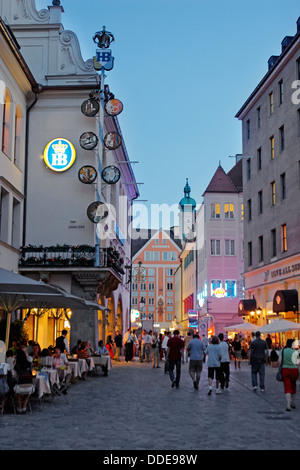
(6, 118)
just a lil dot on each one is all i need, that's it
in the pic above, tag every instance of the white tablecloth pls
(42, 385)
(52, 374)
(75, 368)
(83, 366)
(91, 363)
(103, 361)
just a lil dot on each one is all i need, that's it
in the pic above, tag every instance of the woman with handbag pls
(289, 370)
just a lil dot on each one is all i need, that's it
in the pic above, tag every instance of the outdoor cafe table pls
(74, 366)
(83, 366)
(91, 363)
(52, 374)
(42, 384)
(102, 361)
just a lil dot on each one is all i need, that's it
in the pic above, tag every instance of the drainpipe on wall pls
(37, 91)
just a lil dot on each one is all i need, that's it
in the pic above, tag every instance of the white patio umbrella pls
(241, 327)
(280, 326)
(14, 290)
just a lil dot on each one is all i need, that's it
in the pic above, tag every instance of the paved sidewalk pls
(135, 408)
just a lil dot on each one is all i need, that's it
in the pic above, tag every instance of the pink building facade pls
(220, 250)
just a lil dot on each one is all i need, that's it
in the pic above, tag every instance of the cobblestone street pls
(135, 408)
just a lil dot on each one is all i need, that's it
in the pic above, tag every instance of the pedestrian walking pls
(118, 345)
(146, 345)
(164, 346)
(195, 349)
(128, 344)
(205, 341)
(214, 354)
(258, 355)
(187, 340)
(288, 360)
(174, 356)
(156, 350)
(237, 351)
(225, 362)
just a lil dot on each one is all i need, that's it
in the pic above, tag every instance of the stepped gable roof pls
(220, 183)
(236, 175)
(145, 235)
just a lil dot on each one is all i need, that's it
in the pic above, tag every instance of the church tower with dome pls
(187, 215)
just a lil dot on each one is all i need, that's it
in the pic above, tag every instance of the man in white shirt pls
(128, 343)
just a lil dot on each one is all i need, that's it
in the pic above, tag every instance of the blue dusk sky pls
(182, 70)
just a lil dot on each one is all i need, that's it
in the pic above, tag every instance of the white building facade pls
(62, 244)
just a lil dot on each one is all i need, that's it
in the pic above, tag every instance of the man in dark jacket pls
(174, 356)
(258, 353)
(118, 344)
(62, 342)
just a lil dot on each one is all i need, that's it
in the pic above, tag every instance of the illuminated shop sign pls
(193, 318)
(59, 154)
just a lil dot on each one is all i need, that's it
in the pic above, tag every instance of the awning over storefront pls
(246, 306)
(285, 301)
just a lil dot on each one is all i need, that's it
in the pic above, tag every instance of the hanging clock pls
(111, 174)
(97, 212)
(114, 107)
(87, 174)
(88, 140)
(112, 140)
(90, 107)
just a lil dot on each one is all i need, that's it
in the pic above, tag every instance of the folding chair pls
(22, 391)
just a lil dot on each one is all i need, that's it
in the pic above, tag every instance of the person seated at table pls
(83, 352)
(102, 351)
(89, 348)
(12, 376)
(14, 347)
(36, 356)
(60, 362)
(59, 358)
(45, 352)
(23, 369)
(76, 347)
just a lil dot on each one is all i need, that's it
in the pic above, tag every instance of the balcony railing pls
(70, 256)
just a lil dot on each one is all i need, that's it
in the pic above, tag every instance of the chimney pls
(298, 25)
